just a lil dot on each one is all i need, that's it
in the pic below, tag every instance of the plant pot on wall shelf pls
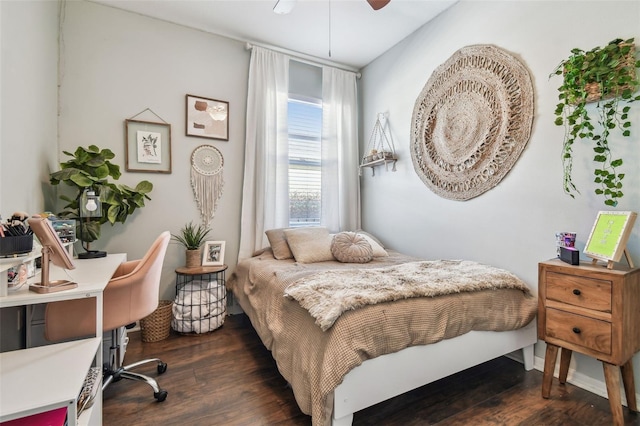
(380, 149)
(606, 75)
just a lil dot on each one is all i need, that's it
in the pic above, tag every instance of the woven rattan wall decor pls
(471, 122)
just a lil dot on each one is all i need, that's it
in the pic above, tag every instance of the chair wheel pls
(160, 396)
(162, 367)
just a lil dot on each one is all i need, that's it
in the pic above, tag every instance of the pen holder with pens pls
(12, 245)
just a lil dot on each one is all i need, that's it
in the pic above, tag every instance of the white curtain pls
(340, 181)
(265, 195)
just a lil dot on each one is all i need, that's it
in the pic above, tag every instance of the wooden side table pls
(200, 305)
(595, 311)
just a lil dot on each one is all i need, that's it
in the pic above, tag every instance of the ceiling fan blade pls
(283, 7)
(378, 4)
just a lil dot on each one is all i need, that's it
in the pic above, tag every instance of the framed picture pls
(207, 118)
(213, 253)
(148, 147)
(609, 236)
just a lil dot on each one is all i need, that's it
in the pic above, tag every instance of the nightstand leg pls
(549, 365)
(565, 359)
(612, 378)
(629, 385)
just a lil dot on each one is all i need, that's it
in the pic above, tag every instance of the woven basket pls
(193, 258)
(157, 325)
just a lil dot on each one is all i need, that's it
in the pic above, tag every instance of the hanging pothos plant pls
(606, 75)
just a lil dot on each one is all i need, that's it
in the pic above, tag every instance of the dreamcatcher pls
(207, 180)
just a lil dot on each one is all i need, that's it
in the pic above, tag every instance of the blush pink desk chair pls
(132, 294)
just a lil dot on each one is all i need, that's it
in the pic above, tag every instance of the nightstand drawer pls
(580, 330)
(579, 291)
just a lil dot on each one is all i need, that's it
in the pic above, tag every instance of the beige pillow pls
(349, 247)
(376, 246)
(278, 243)
(309, 244)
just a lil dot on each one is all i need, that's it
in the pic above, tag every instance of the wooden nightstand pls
(594, 311)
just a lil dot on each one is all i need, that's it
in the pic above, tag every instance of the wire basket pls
(157, 325)
(200, 305)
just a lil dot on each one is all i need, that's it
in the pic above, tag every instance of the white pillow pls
(309, 244)
(378, 250)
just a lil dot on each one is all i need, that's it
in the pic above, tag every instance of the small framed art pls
(207, 118)
(148, 146)
(609, 236)
(213, 253)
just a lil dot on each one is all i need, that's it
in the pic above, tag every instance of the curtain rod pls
(306, 59)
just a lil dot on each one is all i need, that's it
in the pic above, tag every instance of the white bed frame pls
(400, 372)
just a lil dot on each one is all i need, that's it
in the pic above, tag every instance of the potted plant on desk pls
(88, 172)
(192, 237)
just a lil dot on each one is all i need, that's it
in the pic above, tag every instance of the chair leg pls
(114, 371)
(161, 365)
(141, 378)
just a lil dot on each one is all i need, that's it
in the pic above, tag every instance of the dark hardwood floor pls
(227, 377)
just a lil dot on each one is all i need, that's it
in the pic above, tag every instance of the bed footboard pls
(400, 372)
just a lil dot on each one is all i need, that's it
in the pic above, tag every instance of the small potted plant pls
(192, 237)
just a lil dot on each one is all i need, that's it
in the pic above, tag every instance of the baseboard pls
(234, 310)
(233, 307)
(516, 356)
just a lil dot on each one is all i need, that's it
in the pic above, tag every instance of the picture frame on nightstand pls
(609, 236)
(213, 253)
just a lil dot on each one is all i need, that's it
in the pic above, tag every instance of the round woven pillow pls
(349, 247)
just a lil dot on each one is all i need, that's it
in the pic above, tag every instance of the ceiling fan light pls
(378, 4)
(283, 7)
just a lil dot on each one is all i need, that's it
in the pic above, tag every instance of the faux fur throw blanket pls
(327, 294)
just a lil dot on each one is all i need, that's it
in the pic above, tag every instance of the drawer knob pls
(576, 292)
(576, 330)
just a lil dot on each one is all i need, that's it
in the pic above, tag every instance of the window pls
(305, 183)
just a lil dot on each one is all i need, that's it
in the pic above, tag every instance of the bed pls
(357, 349)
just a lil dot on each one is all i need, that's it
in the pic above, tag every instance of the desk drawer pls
(579, 291)
(580, 330)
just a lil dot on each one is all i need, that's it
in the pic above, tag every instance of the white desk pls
(40, 379)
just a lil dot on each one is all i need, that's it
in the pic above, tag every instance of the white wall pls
(115, 64)
(28, 104)
(514, 224)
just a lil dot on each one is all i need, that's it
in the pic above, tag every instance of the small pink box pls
(50, 418)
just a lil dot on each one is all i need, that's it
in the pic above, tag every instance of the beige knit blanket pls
(327, 294)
